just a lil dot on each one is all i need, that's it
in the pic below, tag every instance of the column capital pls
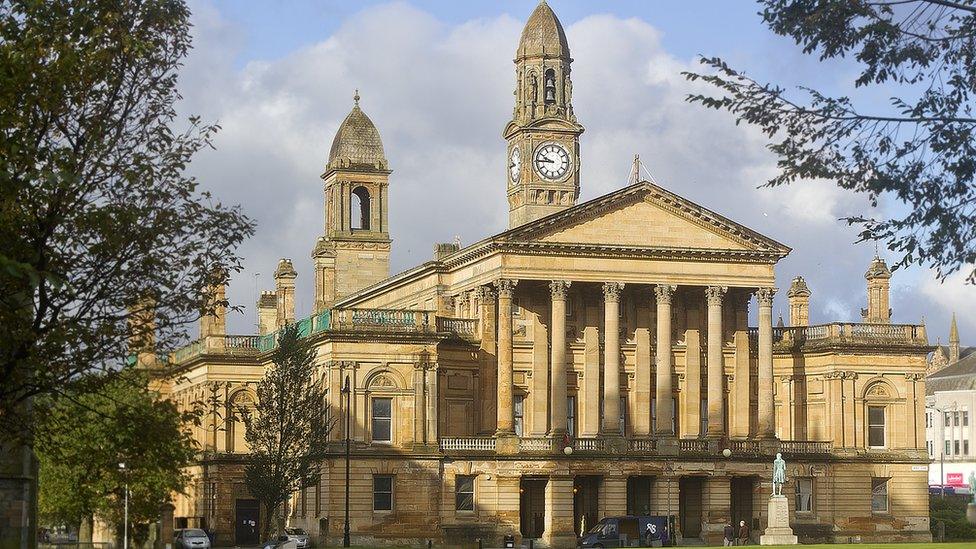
(485, 293)
(559, 288)
(714, 294)
(506, 287)
(765, 296)
(611, 291)
(664, 293)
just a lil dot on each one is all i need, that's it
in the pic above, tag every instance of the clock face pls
(551, 161)
(515, 164)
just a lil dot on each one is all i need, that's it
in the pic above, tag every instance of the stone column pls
(613, 496)
(740, 397)
(506, 419)
(642, 375)
(558, 290)
(559, 512)
(716, 390)
(716, 499)
(767, 421)
(487, 360)
(611, 358)
(663, 294)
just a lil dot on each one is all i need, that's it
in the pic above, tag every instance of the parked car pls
(299, 535)
(190, 538)
(626, 531)
(281, 541)
(935, 489)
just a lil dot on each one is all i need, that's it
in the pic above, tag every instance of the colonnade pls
(715, 298)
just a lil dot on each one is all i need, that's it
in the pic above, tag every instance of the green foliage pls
(921, 151)
(951, 510)
(83, 437)
(288, 431)
(97, 218)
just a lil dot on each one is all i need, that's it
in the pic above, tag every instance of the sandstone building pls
(595, 359)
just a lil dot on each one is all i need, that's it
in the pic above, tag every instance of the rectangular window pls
(955, 419)
(571, 415)
(519, 413)
(382, 420)
(382, 492)
(948, 448)
(804, 495)
(674, 416)
(703, 414)
(879, 495)
(948, 419)
(464, 493)
(965, 447)
(955, 447)
(876, 426)
(623, 416)
(965, 418)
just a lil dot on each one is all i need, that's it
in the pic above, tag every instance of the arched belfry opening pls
(359, 209)
(550, 86)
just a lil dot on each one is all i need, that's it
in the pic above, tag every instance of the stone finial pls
(285, 270)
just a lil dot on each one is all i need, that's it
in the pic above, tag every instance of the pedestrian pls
(743, 533)
(729, 539)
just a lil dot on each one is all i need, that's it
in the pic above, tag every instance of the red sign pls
(954, 479)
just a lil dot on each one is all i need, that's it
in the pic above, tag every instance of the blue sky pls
(436, 78)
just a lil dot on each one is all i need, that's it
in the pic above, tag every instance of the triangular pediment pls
(646, 216)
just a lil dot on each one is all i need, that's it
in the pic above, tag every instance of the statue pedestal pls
(778, 531)
(971, 513)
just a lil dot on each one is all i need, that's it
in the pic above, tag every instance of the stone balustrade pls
(463, 327)
(844, 333)
(645, 446)
(468, 444)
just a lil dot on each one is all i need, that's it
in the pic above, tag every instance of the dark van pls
(628, 531)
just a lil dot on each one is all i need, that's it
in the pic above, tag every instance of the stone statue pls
(534, 86)
(779, 475)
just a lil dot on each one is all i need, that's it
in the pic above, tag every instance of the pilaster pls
(558, 290)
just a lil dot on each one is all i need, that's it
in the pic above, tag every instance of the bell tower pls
(355, 251)
(542, 170)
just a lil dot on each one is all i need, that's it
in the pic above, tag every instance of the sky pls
(436, 77)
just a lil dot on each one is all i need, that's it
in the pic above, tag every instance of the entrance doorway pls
(690, 506)
(586, 503)
(639, 495)
(532, 507)
(247, 522)
(741, 498)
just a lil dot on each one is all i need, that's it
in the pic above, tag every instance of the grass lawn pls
(957, 545)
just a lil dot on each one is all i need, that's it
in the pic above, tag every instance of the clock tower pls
(542, 171)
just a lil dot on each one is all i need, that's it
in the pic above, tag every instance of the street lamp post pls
(125, 520)
(942, 422)
(345, 527)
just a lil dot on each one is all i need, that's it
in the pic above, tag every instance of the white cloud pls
(440, 95)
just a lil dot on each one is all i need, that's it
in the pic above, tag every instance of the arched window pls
(877, 404)
(240, 402)
(359, 209)
(550, 86)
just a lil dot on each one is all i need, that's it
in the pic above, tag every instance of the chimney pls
(267, 312)
(214, 319)
(142, 339)
(285, 276)
(799, 296)
(878, 277)
(953, 341)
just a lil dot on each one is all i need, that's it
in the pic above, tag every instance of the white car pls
(190, 538)
(299, 535)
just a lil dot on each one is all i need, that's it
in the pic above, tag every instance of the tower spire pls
(953, 340)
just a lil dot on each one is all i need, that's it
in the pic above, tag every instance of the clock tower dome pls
(542, 170)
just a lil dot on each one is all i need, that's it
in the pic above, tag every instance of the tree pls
(287, 433)
(85, 435)
(920, 152)
(98, 219)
